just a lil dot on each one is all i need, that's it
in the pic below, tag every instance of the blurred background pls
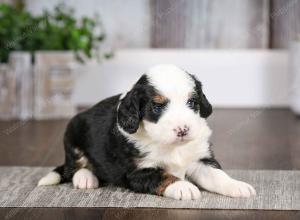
(58, 57)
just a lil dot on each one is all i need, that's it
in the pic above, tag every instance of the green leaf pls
(57, 30)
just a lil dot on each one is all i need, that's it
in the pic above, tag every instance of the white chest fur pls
(174, 160)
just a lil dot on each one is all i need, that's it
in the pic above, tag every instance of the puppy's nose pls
(182, 131)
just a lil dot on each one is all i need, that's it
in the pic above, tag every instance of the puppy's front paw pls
(85, 179)
(182, 190)
(235, 188)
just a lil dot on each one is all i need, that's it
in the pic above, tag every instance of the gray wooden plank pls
(285, 22)
(210, 24)
(168, 23)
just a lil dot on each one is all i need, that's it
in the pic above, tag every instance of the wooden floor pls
(242, 139)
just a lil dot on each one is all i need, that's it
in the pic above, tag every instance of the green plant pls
(14, 23)
(57, 30)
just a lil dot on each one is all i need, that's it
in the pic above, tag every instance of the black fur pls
(205, 106)
(145, 180)
(211, 162)
(95, 134)
(131, 106)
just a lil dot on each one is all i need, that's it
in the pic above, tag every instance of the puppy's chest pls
(174, 160)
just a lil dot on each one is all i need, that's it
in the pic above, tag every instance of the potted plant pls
(61, 31)
(56, 40)
(14, 23)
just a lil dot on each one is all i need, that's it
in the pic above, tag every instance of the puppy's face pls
(167, 105)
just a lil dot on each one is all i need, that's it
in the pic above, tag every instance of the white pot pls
(8, 84)
(54, 80)
(295, 77)
(20, 64)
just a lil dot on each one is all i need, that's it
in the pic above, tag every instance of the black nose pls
(181, 132)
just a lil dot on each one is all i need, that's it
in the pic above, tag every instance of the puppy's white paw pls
(235, 188)
(85, 179)
(51, 178)
(182, 190)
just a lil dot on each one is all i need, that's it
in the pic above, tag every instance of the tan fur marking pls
(168, 180)
(160, 99)
(82, 162)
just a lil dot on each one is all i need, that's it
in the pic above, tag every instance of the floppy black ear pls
(131, 106)
(129, 112)
(205, 106)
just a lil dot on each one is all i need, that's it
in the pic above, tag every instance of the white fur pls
(182, 190)
(177, 86)
(179, 157)
(216, 180)
(85, 179)
(172, 81)
(51, 178)
(158, 140)
(174, 159)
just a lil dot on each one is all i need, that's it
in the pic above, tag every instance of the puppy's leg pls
(213, 179)
(60, 174)
(157, 181)
(85, 179)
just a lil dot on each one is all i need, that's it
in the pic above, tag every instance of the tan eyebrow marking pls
(190, 95)
(157, 98)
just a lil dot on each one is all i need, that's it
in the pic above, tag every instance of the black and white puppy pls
(152, 139)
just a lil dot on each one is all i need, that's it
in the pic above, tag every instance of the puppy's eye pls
(191, 103)
(157, 109)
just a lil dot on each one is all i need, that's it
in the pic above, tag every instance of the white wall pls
(231, 78)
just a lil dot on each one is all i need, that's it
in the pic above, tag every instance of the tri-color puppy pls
(152, 139)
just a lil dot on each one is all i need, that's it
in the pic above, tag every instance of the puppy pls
(152, 139)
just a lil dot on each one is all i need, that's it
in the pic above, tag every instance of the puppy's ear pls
(131, 106)
(129, 112)
(205, 106)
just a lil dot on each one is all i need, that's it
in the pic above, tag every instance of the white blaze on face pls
(171, 81)
(177, 86)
